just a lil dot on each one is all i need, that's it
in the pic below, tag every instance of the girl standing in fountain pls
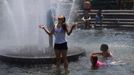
(60, 30)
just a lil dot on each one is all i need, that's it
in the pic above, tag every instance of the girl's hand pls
(74, 25)
(41, 26)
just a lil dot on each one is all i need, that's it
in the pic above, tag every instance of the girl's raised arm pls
(70, 31)
(46, 30)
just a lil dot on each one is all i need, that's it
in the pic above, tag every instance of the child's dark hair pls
(99, 12)
(104, 47)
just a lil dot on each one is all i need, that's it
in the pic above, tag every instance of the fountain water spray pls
(21, 40)
(20, 22)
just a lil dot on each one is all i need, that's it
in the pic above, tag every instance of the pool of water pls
(121, 44)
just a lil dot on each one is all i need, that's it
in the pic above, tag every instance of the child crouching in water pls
(105, 53)
(95, 63)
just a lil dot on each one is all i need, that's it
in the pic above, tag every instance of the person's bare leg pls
(57, 53)
(86, 25)
(64, 56)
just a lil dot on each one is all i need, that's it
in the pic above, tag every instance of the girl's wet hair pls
(63, 21)
(104, 47)
(62, 18)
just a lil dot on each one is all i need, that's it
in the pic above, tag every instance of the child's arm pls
(111, 55)
(89, 18)
(83, 19)
(97, 53)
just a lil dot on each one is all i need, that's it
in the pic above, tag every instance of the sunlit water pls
(120, 43)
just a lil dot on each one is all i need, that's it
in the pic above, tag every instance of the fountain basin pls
(40, 57)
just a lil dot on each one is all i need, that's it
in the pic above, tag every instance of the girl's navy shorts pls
(62, 46)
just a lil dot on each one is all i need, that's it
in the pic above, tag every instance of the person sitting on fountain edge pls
(59, 31)
(105, 53)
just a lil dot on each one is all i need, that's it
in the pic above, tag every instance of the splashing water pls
(20, 20)
(68, 9)
(120, 44)
(20, 23)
